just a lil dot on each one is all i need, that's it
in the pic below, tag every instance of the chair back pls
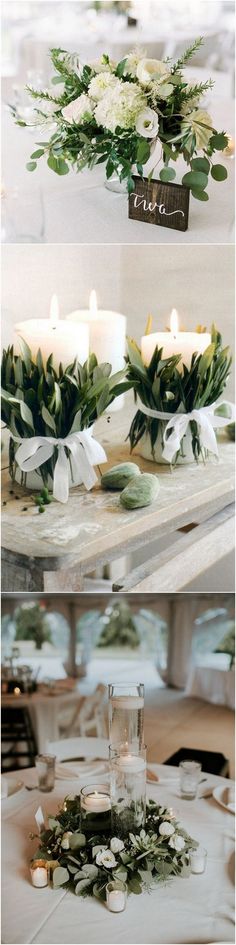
(68, 749)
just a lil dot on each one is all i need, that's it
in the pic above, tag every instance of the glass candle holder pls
(198, 859)
(189, 778)
(45, 765)
(116, 896)
(95, 810)
(128, 788)
(39, 873)
(126, 714)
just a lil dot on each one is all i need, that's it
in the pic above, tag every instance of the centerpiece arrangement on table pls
(122, 114)
(51, 398)
(108, 841)
(177, 379)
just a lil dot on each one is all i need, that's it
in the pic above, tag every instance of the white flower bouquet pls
(114, 113)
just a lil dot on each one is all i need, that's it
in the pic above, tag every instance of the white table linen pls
(213, 685)
(78, 208)
(45, 712)
(195, 909)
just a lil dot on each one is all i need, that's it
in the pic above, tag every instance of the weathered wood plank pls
(186, 559)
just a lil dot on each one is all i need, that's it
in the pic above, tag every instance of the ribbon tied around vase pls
(177, 424)
(85, 453)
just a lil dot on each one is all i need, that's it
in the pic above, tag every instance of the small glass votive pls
(45, 765)
(116, 896)
(197, 859)
(39, 873)
(189, 778)
(95, 809)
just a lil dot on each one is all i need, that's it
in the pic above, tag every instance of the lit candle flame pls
(93, 308)
(174, 322)
(54, 311)
(17, 691)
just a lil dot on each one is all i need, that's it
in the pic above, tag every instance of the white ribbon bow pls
(205, 418)
(85, 453)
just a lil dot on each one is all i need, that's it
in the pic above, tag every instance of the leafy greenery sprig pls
(161, 386)
(183, 127)
(42, 401)
(141, 860)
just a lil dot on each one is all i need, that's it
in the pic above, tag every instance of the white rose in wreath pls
(177, 843)
(81, 109)
(116, 845)
(147, 123)
(106, 858)
(166, 829)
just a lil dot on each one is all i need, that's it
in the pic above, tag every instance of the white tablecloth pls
(78, 208)
(45, 712)
(213, 685)
(195, 909)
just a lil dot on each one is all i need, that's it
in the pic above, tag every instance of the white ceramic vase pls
(155, 455)
(34, 480)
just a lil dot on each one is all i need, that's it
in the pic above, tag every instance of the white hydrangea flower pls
(166, 829)
(177, 843)
(116, 845)
(106, 858)
(100, 83)
(147, 123)
(81, 109)
(120, 106)
(65, 842)
(132, 61)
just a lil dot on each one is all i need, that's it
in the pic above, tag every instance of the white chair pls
(73, 749)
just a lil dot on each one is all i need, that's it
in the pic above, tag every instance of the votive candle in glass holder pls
(39, 873)
(198, 859)
(45, 765)
(95, 809)
(116, 896)
(189, 778)
(128, 788)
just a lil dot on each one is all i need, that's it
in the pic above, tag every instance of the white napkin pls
(79, 771)
(230, 799)
(4, 787)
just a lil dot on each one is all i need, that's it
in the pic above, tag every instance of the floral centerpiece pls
(114, 113)
(50, 415)
(178, 409)
(86, 864)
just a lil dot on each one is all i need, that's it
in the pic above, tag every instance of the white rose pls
(147, 123)
(78, 111)
(106, 858)
(100, 83)
(65, 842)
(116, 845)
(177, 843)
(149, 70)
(166, 829)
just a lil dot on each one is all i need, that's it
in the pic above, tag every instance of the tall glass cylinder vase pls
(126, 714)
(128, 789)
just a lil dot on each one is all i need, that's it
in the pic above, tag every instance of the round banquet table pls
(78, 208)
(195, 909)
(213, 685)
(45, 710)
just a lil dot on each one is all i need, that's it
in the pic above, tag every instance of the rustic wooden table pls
(56, 550)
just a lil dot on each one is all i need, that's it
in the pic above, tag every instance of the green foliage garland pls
(141, 860)
(162, 387)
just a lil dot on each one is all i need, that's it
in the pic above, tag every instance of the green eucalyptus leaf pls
(167, 173)
(31, 165)
(77, 841)
(37, 154)
(200, 195)
(60, 876)
(196, 180)
(219, 172)
(200, 164)
(81, 886)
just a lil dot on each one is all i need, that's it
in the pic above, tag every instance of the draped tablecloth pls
(78, 208)
(45, 712)
(196, 909)
(213, 685)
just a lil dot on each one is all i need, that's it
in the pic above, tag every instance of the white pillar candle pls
(39, 874)
(107, 336)
(198, 860)
(175, 342)
(96, 803)
(116, 900)
(55, 336)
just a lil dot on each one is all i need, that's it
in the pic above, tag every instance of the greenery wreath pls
(86, 864)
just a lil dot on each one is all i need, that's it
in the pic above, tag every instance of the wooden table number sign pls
(158, 203)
